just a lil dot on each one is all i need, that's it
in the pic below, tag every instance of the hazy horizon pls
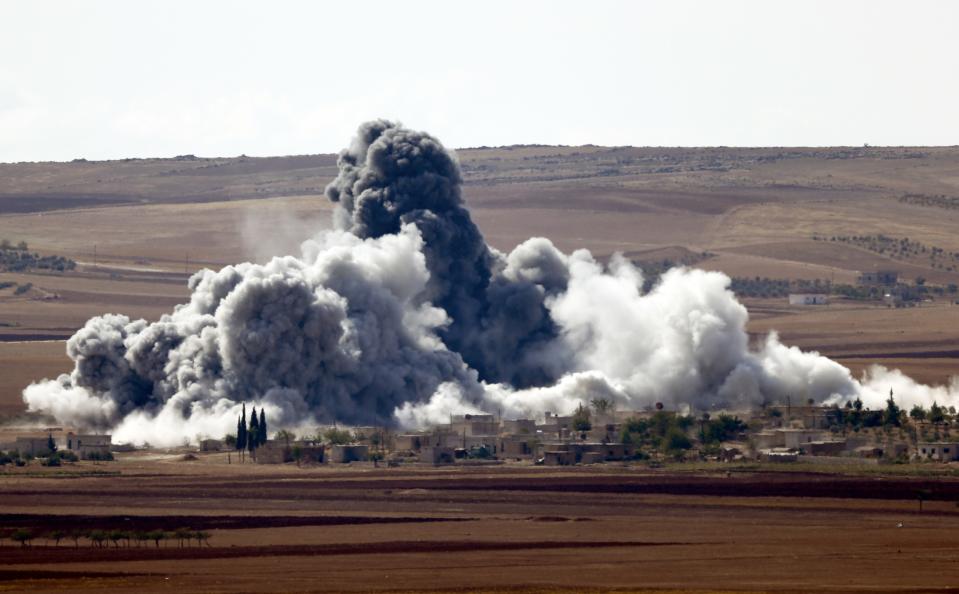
(113, 80)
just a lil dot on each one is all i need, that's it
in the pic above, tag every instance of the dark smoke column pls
(391, 176)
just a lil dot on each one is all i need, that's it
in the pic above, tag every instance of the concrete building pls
(437, 455)
(765, 440)
(577, 450)
(516, 446)
(518, 427)
(472, 425)
(211, 445)
(798, 439)
(89, 445)
(808, 299)
(878, 278)
(778, 455)
(943, 451)
(825, 447)
(279, 452)
(811, 416)
(344, 454)
(33, 446)
(558, 458)
(412, 442)
(558, 427)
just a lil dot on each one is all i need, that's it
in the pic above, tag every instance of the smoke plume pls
(403, 315)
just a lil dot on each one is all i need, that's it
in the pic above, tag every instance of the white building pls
(943, 451)
(808, 299)
(90, 444)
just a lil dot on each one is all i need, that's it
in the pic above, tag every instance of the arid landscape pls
(506, 529)
(137, 229)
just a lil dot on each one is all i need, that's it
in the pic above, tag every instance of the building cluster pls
(87, 446)
(773, 433)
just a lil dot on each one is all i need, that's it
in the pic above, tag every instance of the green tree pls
(253, 433)
(241, 431)
(918, 413)
(142, 537)
(338, 436)
(891, 417)
(51, 444)
(581, 420)
(602, 406)
(722, 428)
(97, 538)
(285, 436)
(936, 413)
(676, 440)
(262, 428)
(23, 536)
(183, 534)
(56, 536)
(156, 536)
(230, 440)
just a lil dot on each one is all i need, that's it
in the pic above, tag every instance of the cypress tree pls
(253, 437)
(241, 431)
(262, 426)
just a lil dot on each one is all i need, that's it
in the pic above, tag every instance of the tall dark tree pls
(51, 445)
(262, 426)
(253, 436)
(241, 431)
(892, 414)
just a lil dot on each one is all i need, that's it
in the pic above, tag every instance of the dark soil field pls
(509, 529)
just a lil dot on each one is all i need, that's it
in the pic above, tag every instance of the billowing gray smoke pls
(403, 314)
(390, 177)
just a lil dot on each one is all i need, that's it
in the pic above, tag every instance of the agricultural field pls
(503, 529)
(138, 228)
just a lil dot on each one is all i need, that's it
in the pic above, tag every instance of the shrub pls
(99, 456)
(22, 535)
(338, 436)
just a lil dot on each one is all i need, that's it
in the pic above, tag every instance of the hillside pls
(137, 228)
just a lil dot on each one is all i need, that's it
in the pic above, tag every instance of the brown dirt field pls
(515, 529)
(841, 257)
(24, 362)
(509, 529)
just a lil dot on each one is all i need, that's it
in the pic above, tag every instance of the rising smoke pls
(403, 314)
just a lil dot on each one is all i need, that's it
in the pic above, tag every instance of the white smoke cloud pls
(403, 315)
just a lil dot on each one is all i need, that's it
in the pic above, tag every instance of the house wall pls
(343, 454)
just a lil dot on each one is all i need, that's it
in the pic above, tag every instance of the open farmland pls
(515, 529)
(137, 229)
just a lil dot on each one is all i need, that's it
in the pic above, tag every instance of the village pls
(594, 434)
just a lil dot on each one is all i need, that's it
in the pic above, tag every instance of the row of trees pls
(103, 538)
(855, 415)
(18, 259)
(249, 436)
